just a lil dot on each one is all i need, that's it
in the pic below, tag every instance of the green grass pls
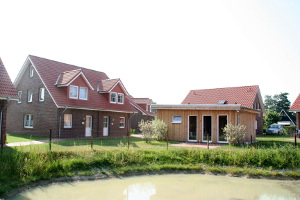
(12, 138)
(272, 157)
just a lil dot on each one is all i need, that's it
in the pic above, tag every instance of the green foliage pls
(289, 130)
(277, 102)
(272, 117)
(235, 134)
(155, 129)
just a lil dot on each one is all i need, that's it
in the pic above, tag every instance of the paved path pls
(31, 142)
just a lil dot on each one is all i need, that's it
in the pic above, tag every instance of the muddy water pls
(182, 186)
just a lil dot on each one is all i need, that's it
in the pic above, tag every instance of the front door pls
(192, 128)
(105, 125)
(88, 126)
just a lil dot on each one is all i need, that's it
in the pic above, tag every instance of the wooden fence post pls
(50, 138)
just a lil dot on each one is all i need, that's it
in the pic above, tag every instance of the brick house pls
(71, 100)
(204, 113)
(143, 105)
(296, 108)
(7, 93)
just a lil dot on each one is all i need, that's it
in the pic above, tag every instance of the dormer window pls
(120, 98)
(83, 94)
(73, 92)
(31, 71)
(113, 97)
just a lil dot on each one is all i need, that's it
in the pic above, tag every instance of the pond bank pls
(107, 175)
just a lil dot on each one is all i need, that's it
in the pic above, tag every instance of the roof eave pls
(196, 106)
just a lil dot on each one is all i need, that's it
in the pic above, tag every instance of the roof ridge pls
(85, 68)
(227, 87)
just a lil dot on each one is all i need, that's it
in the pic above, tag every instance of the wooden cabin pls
(202, 122)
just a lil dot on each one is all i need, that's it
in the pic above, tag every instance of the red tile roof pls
(108, 84)
(66, 77)
(7, 89)
(296, 105)
(49, 71)
(142, 101)
(244, 95)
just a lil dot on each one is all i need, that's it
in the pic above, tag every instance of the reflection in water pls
(139, 191)
(181, 186)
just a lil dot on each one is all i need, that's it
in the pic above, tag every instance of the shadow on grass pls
(271, 141)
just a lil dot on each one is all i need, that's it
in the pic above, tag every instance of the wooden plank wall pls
(179, 132)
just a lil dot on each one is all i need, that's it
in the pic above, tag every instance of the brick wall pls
(78, 123)
(3, 128)
(44, 113)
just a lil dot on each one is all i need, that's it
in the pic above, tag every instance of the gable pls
(67, 78)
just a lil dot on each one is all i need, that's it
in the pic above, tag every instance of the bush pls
(155, 129)
(235, 133)
(289, 130)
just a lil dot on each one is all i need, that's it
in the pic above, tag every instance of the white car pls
(275, 129)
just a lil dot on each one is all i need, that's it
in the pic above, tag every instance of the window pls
(73, 92)
(42, 94)
(29, 96)
(113, 97)
(120, 98)
(31, 71)
(177, 119)
(20, 96)
(67, 121)
(28, 121)
(122, 122)
(83, 93)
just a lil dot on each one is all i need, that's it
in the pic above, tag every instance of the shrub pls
(235, 133)
(147, 130)
(155, 129)
(289, 130)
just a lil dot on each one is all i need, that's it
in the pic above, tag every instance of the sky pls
(161, 49)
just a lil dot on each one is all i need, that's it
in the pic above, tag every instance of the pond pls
(172, 186)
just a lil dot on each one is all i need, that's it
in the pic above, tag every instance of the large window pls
(67, 121)
(122, 122)
(113, 97)
(83, 94)
(29, 95)
(120, 98)
(73, 92)
(20, 96)
(42, 94)
(28, 121)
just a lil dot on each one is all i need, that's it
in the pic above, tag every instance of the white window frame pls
(41, 94)
(122, 98)
(175, 119)
(31, 71)
(29, 96)
(86, 97)
(73, 97)
(20, 96)
(28, 123)
(122, 125)
(70, 120)
(115, 98)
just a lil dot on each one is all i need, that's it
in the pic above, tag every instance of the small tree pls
(155, 129)
(235, 134)
(147, 130)
(272, 117)
(160, 129)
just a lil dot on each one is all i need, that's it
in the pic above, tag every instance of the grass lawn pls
(12, 138)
